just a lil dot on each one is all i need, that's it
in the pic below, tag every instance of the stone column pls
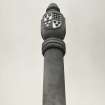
(53, 49)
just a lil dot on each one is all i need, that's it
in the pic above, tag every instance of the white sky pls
(21, 60)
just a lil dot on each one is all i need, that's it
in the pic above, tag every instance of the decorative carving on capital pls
(53, 23)
(53, 29)
(53, 43)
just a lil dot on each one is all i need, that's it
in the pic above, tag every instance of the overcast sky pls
(21, 60)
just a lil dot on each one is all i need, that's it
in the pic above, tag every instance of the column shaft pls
(53, 84)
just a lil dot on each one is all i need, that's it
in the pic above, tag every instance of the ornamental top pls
(53, 23)
(53, 6)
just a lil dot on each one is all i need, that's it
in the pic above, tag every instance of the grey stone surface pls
(53, 84)
(53, 30)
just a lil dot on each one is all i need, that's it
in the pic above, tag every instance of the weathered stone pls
(53, 31)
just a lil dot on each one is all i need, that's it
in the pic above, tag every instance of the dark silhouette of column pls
(53, 49)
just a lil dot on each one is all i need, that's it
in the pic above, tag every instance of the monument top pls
(53, 6)
(53, 23)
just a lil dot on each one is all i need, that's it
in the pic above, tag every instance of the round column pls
(53, 50)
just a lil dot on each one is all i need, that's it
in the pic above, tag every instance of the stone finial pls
(53, 6)
(53, 23)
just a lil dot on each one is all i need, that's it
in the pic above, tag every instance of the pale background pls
(21, 60)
